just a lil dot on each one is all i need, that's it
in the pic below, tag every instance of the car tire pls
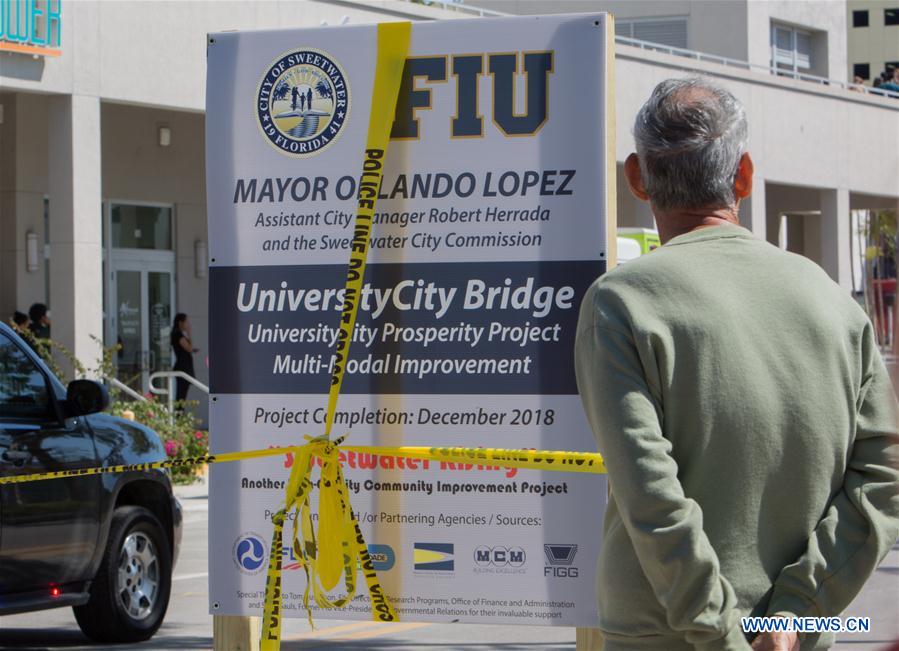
(130, 593)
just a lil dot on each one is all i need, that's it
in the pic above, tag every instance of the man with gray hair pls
(741, 405)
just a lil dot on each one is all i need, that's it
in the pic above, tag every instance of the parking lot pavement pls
(879, 600)
(188, 624)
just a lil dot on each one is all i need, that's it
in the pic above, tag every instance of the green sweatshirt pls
(748, 425)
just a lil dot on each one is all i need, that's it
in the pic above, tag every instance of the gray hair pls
(690, 135)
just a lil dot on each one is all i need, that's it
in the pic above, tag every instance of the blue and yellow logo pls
(382, 557)
(436, 557)
(302, 102)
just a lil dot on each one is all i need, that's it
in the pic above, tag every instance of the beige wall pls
(23, 184)
(875, 44)
(826, 18)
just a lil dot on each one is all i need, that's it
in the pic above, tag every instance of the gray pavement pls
(188, 624)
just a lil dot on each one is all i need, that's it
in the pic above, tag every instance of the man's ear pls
(634, 178)
(743, 179)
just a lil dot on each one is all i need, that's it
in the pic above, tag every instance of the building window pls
(860, 18)
(891, 16)
(141, 227)
(862, 70)
(665, 31)
(791, 48)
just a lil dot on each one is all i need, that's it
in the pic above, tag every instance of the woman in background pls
(184, 350)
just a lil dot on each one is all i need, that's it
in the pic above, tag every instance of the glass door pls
(128, 318)
(159, 305)
(141, 319)
(140, 263)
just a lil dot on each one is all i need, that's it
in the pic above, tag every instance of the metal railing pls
(170, 391)
(746, 65)
(124, 388)
(458, 5)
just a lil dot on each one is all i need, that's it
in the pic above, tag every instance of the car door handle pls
(18, 457)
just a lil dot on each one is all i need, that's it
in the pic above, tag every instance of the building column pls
(834, 235)
(76, 281)
(753, 214)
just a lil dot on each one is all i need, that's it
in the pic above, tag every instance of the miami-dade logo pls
(249, 553)
(302, 102)
(383, 557)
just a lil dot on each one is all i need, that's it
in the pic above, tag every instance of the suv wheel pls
(130, 594)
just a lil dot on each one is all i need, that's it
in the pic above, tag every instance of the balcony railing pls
(746, 65)
(460, 6)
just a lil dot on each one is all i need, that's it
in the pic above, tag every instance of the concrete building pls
(873, 41)
(102, 184)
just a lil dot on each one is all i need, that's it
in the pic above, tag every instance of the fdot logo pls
(559, 559)
(249, 553)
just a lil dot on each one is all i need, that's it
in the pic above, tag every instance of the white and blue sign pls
(490, 225)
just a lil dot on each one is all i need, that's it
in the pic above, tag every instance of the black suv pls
(103, 544)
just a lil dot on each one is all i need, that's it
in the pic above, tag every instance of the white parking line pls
(186, 577)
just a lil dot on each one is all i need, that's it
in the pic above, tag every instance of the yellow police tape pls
(338, 546)
(338, 531)
(589, 462)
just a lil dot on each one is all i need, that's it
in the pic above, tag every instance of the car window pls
(23, 388)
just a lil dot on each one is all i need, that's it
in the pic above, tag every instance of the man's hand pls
(776, 642)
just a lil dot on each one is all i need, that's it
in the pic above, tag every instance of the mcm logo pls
(499, 556)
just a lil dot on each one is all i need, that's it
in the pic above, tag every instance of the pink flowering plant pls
(178, 431)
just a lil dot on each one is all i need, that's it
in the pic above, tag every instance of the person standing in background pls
(184, 350)
(40, 321)
(20, 321)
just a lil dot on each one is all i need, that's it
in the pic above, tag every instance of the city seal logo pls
(302, 102)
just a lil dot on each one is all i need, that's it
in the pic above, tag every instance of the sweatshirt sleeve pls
(665, 527)
(861, 523)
